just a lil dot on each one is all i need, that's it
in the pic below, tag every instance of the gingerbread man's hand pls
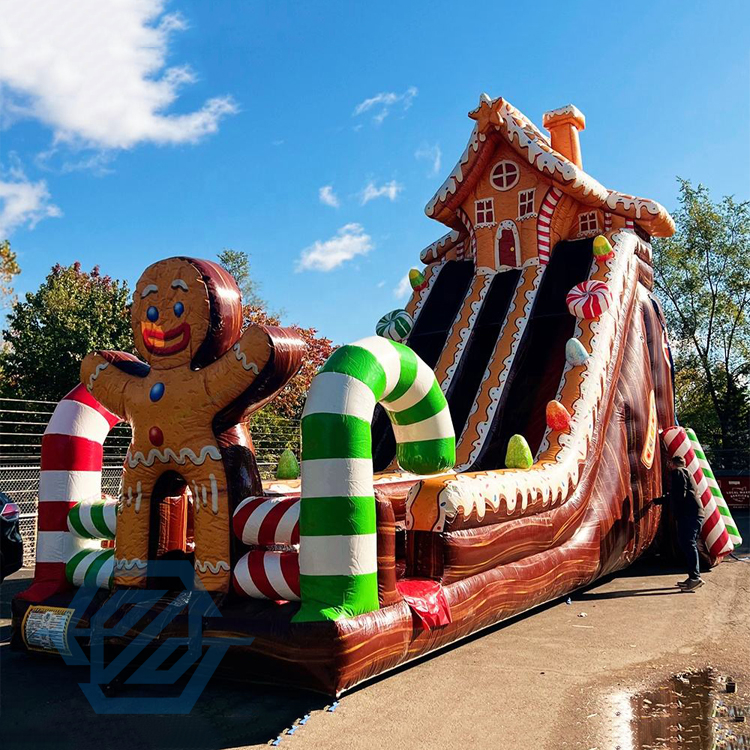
(234, 372)
(104, 379)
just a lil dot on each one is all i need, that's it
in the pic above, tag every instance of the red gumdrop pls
(156, 436)
(558, 417)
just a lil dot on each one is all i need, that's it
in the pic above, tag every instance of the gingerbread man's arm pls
(106, 374)
(236, 370)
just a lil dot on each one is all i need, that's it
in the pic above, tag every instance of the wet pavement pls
(688, 710)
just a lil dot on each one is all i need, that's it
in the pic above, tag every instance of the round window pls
(504, 175)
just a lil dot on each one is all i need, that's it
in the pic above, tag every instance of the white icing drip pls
(124, 564)
(440, 247)
(185, 454)
(94, 375)
(214, 494)
(214, 568)
(568, 109)
(242, 359)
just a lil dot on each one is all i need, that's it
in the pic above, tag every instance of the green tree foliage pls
(237, 263)
(8, 269)
(702, 274)
(52, 329)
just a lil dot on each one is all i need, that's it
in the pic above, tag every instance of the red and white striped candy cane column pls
(267, 574)
(267, 520)
(71, 472)
(713, 530)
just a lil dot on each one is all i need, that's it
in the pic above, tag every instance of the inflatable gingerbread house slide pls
(500, 443)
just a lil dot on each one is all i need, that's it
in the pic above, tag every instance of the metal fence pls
(22, 424)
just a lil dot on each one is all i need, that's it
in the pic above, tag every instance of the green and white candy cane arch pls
(338, 551)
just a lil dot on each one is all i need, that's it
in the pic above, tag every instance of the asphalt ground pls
(544, 680)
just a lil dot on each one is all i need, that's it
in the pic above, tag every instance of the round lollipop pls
(589, 299)
(395, 325)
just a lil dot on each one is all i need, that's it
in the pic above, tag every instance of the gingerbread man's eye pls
(179, 308)
(152, 314)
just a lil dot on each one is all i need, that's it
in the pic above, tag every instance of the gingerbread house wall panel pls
(503, 206)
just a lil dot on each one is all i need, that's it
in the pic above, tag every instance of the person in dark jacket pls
(688, 513)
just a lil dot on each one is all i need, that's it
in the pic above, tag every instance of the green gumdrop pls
(288, 467)
(518, 455)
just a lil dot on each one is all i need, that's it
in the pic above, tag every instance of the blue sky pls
(135, 131)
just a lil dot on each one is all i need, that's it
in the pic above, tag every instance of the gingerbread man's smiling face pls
(170, 313)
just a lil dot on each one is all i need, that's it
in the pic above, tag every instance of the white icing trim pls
(185, 454)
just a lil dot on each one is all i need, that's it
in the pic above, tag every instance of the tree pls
(49, 333)
(701, 274)
(8, 269)
(237, 263)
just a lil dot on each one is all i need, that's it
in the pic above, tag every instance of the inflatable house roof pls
(511, 179)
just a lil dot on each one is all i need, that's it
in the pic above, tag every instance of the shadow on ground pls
(42, 704)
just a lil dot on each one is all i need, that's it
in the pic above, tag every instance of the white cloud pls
(328, 197)
(432, 154)
(388, 190)
(346, 244)
(22, 202)
(403, 289)
(95, 73)
(384, 102)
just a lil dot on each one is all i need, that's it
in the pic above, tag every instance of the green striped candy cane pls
(91, 568)
(338, 553)
(93, 520)
(713, 485)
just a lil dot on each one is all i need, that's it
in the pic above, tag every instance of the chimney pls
(563, 125)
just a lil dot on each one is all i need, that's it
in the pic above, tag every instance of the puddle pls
(689, 710)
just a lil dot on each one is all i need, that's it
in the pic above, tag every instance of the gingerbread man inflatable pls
(187, 405)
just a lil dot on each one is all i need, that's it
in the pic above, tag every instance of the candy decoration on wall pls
(417, 280)
(71, 472)
(395, 325)
(589, 299)
(713, 530)
(288, 466)
(518, 455)
(91, 568)
(267, 520)
(575, 353)
(602, 248)
(338, 552)
(94, 520)
(713, 485)
(264, 574)
(558, 417)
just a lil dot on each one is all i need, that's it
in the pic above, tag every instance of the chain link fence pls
(22, 425)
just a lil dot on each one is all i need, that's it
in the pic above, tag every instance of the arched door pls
(507, 245)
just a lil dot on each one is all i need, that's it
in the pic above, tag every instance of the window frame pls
(510, 185)
(487, 207)
(526, 197)
(587, 217)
